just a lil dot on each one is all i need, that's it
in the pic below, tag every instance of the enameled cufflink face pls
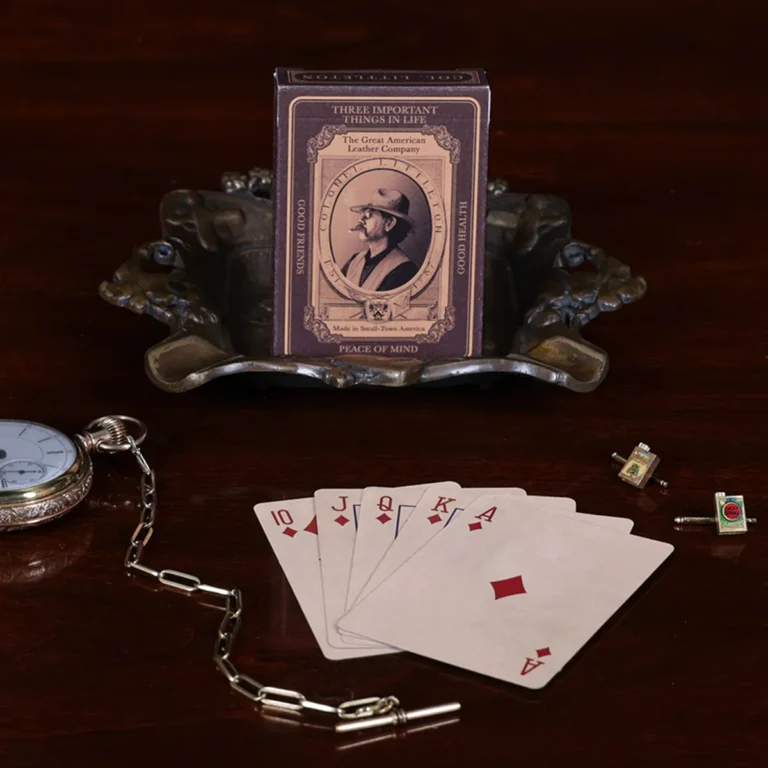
(730, 514)
(640, 466)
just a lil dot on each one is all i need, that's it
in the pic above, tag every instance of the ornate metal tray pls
(210, 280)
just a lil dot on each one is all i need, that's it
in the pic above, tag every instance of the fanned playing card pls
(433, 511)
(384, 513)
(336, 512)
(291, 529)
(508, 593)
(436, 509)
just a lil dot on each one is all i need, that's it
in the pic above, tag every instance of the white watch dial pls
(31, 454)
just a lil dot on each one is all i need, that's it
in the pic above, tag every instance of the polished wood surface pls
(649, 117)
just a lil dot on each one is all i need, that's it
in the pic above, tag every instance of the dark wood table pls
(649, 117)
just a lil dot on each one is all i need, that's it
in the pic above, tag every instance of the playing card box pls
(380, 189)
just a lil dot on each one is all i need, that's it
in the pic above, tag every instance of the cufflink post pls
(705, 520)
(730, 515)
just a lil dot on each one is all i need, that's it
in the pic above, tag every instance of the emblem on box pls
(378, 310)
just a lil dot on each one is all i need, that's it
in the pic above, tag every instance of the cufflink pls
(638, 469)
(730, 515)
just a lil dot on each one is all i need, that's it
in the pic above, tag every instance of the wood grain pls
(649, 117)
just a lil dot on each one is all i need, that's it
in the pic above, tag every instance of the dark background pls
(649, 117)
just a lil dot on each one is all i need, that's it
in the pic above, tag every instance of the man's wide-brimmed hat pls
(388, 201)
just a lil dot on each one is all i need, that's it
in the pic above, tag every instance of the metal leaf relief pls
(209, 277)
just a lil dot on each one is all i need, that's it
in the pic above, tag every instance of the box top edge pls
(439, 78)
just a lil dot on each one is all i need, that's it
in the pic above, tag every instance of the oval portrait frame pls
(436, 246)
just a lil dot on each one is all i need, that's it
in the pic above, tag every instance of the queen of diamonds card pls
(379, 225)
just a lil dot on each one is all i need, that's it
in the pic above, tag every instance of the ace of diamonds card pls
(379, 212)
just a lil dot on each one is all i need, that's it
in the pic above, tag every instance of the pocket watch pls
(44, 473)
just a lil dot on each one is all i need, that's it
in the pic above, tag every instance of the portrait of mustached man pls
(384, 224)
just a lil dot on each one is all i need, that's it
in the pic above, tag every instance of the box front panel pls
(381, 212)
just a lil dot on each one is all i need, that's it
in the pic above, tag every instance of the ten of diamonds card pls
(380, 210)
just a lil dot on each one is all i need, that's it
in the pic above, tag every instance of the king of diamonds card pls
(380, 210)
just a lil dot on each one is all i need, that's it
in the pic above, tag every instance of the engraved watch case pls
(27, 507)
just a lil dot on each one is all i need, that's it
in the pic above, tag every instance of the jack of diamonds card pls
(336, 515)
(380, 209)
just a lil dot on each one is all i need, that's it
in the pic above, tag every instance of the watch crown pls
(105, 434)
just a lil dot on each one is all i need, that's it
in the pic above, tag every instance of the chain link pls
(263, 695)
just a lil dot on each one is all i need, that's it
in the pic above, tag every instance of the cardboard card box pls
(380, 193)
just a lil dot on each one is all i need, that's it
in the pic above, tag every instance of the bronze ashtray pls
(210, 280)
